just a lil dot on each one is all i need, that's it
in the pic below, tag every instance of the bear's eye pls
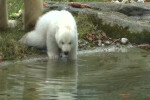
(62, 43)
(70, 43)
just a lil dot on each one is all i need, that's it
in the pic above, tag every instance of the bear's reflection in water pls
(56, 80)
(61, 79)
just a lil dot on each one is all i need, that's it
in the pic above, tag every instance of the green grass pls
(10, 48)
(14, 6)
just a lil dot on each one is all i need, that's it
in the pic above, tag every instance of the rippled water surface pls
(94, 76)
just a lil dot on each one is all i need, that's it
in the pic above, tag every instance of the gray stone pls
(130, 20)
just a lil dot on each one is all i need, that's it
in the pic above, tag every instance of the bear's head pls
(65, 38)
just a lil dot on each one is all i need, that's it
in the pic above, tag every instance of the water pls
(94, 76)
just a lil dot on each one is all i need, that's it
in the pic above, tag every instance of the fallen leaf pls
(44, 4)
(86, 6)
(90, 37)
(104, 34)
(79, 5)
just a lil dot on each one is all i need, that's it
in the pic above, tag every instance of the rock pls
(103, 45)
(140, 1)
(130, 20)
(86, 43)
(124, 40)
(99, 43)
(107, 42)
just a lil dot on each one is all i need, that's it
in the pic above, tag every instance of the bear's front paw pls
(52, 56)
(12, 23)
(73, 57)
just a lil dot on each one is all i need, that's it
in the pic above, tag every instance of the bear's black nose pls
(66, 52)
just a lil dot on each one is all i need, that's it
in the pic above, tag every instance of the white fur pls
(54, 30)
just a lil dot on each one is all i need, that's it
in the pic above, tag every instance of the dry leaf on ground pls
(79, 5)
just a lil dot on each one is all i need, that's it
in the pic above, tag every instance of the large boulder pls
(130, 20)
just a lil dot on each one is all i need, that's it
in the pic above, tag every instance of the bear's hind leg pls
(33, 9)
(4, 22)
(3, 14)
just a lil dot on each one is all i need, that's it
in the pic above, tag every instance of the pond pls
(96, 75)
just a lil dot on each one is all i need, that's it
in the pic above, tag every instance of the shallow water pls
(94, 76)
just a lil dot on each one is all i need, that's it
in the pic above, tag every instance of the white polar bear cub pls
(57, 31)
